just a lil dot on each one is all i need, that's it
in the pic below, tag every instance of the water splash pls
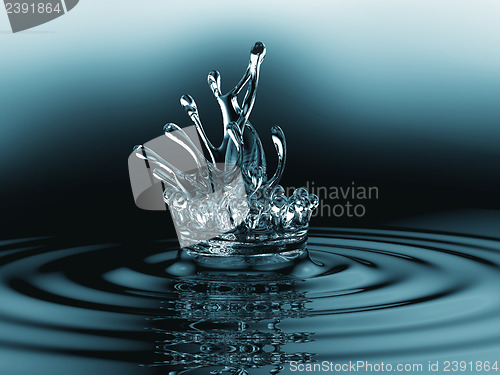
(267, 217)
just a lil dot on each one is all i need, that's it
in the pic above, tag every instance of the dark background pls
(402, 97)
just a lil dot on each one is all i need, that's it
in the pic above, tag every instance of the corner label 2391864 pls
(25, 14)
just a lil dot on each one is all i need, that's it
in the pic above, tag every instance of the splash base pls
(225, 251)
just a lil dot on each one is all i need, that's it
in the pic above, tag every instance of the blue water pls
(397, 296)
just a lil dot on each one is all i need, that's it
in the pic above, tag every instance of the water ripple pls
(356, 293)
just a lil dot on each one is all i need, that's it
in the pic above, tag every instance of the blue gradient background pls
(399, 94)
(403, 95)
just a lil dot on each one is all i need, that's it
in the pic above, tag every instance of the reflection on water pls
(232, 322)
(355, 295)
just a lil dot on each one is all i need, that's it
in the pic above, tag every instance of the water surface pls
(397, 296)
